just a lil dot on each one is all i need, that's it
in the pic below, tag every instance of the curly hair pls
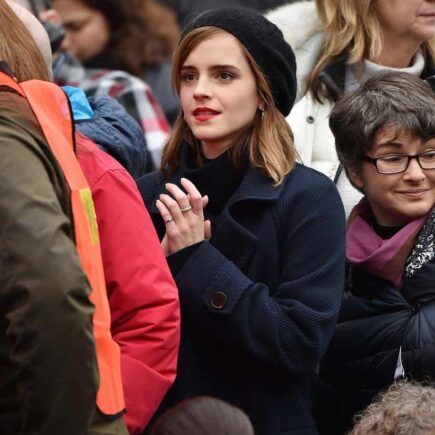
(405, 409)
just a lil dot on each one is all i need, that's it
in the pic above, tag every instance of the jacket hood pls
(117, 133)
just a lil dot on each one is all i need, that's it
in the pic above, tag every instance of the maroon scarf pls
(383, 258)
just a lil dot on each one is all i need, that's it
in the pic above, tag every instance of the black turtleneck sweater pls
(218, 179)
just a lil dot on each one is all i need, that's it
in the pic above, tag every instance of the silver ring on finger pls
(184, 209)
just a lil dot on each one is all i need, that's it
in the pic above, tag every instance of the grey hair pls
(399, 101)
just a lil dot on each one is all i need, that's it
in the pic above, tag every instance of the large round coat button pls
(310, 119)
(218, 300)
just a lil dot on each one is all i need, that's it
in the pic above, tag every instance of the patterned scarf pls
(387, 259)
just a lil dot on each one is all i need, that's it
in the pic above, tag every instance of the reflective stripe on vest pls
(51, 108)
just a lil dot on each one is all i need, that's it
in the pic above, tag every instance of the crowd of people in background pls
(217, 218)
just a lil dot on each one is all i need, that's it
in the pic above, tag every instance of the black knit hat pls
(265, 43)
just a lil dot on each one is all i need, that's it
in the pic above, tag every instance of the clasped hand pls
(183, 214)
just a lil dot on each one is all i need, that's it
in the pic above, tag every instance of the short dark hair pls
(394, 100)
(203, 415)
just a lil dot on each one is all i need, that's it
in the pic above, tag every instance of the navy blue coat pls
(260, 300)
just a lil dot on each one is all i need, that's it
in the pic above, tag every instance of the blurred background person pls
(132, 93)
(338, 45)
(117, 34)
(203, 415)
(385, 138)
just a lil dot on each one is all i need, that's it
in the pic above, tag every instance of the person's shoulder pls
(305, 178)
(297, 21)
(307, 189)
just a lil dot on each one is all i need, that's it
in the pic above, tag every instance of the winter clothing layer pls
(264, 41)
(48, 365)
(142, 295)
(106, 122)
(382, 328)
(309, 119)
(260, 299)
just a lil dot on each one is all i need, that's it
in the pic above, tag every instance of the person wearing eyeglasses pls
(385, 139)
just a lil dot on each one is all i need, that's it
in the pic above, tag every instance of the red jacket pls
(142, 295)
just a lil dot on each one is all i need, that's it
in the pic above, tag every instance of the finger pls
(179, 195)
(194, 196)
(207, 230)
(204, 201)
(172, 206)
(164, 212)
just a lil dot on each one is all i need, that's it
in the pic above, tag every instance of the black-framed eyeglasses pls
(396, 163)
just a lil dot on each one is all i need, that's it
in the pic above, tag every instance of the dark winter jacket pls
(117, 133)
(376, 322)
(260, 300)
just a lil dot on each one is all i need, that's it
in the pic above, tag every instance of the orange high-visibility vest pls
(51, 108)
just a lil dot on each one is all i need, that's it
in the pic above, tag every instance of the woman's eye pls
(225, 76)
(187, 77)
(393, 158)
(428, 155)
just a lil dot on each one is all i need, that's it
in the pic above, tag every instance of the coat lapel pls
(235, 236)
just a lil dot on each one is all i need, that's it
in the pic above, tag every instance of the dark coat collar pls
(235, 236)
(255, 186)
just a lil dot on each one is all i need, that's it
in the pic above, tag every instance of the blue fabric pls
(79, 103)
(116, 132)
(278, 257)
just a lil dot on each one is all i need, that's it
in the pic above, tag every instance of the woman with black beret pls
(254, 240)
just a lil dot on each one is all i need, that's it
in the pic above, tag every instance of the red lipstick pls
(203, 114)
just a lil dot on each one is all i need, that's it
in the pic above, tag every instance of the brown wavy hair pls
(351, 27)
(18, 48)
(132, 45)
(267, 143)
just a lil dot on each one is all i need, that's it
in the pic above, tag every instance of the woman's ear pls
(354, 174)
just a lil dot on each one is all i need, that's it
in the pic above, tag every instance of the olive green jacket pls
(48, 371)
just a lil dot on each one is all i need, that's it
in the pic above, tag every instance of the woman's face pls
(87, 30)
(218, 93)
(397, 199)
(414, 19)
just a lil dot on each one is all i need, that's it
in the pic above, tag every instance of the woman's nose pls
(414, 171)
(202, 88)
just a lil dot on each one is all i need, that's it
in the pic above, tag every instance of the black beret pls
(265, 43)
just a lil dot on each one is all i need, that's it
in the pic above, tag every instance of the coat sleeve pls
(288, 327)
(43, 294)
(143, 297)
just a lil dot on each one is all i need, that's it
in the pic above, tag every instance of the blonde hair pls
(406, 408)
(349, 25)
(267, 142)
(18, 48)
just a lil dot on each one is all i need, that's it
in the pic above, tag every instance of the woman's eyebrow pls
(389, 144)
(217, 67)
